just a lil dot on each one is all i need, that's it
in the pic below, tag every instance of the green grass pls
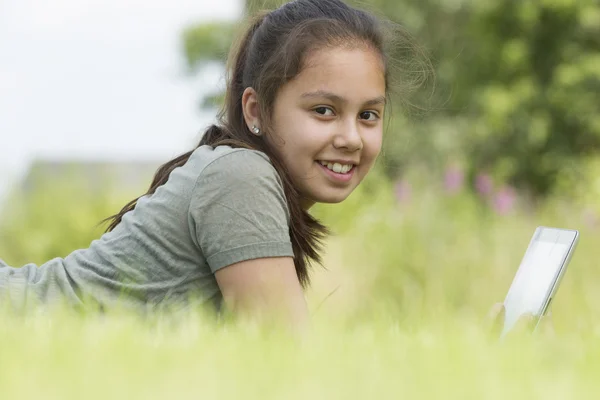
(67, 357)
(399, 311)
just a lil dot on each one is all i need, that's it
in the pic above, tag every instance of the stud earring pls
(256, 130)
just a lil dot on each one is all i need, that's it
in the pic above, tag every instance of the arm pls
(240, 220)
(266, 289)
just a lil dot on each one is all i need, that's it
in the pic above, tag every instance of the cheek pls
(372, 145)
(305, 135)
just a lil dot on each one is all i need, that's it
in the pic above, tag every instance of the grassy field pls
(62, 357)
(399, 311)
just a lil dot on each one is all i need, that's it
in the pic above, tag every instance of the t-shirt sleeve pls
(238, 210)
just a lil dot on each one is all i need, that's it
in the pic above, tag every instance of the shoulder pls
(238, 210)
(234, 164)
(236, 176)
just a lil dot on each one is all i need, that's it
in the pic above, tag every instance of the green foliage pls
(122, 357)
(535, 80)
(436, 253)
(212, 41)
(410, 284)
(54, 218)
(406, 282)
(207, 42)
(515, 89)
(429, 251)
(253, 6)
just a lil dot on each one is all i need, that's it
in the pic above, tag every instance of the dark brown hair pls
(271, 53)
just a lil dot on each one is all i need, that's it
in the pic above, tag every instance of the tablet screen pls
(537, 273)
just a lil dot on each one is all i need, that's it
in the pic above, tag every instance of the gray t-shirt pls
(223, 206)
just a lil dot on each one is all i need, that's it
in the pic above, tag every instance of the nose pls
(348, 137)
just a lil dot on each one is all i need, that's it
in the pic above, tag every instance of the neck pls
(306, 203)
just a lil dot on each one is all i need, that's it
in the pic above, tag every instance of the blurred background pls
(503, 137)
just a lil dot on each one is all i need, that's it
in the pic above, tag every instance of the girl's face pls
(328, 122)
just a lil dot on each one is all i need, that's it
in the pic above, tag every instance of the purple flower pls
(402, 191)
(484, 184)
(504, 200)
(454, 179)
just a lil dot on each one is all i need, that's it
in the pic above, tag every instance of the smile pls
(346, 171)
(337, 167)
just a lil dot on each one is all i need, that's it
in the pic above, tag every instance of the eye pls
(369, 115)
(325, 111)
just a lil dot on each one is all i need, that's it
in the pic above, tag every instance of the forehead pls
(354, 73)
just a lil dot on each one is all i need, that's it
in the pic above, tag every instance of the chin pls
(331, 198)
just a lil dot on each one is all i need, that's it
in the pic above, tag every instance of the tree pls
(515, 91)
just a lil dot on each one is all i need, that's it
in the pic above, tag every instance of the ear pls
(250, 108)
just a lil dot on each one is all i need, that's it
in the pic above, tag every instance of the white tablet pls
(539, 274)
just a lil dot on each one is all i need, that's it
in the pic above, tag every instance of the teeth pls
(337, 167)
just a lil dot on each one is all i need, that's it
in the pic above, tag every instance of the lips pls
(337, 176)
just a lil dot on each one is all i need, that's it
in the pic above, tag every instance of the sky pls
(100, 79)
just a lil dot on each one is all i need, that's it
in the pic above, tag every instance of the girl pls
(228, 223)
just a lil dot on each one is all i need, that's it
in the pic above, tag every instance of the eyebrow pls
(338, 99)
